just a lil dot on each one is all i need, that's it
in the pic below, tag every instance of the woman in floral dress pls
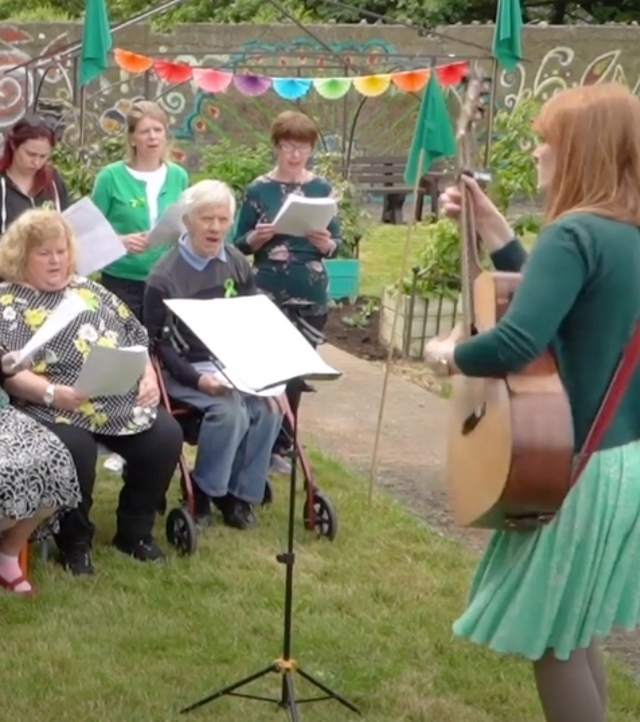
(37, 259)
(289, 269)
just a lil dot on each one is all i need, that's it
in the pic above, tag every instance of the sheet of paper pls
(232, 381)
(70, 307)
(253, 340)
(111, 371)
(168, 228)
(98, 244)
(300, 215)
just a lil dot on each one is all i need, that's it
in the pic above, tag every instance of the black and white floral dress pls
(36, 470)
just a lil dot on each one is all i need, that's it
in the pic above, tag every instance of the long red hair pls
(30, 127)
(595, 134)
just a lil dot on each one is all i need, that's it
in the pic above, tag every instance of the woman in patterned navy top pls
(289, 269)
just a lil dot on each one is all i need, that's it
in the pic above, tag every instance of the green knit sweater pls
(580, 294)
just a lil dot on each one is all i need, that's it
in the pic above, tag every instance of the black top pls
(13, 202)
(173, 277)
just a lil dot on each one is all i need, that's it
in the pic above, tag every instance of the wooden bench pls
(384, 175)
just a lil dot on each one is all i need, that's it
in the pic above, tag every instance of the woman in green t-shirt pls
(133, 194)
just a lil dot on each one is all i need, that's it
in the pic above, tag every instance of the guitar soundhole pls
(474, 418)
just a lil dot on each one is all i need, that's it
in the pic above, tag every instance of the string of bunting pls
(212, 80)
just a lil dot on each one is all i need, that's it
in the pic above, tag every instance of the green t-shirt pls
(579, 295)
(123, 200)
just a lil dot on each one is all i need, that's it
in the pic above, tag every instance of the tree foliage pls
(426, 13)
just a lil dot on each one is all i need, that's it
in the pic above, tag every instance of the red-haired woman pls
(550, 593)
(27, 180)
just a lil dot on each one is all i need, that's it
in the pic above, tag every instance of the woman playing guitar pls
(547, 593)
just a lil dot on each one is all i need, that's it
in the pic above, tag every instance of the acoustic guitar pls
(511, 443)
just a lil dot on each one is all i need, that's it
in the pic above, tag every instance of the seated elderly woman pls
(37, 259)
(237, 430)
(37, 478)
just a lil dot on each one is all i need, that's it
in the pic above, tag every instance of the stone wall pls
(556, 58)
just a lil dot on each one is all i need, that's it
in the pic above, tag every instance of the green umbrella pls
(96, 41)
(433, 136)
(507, 40)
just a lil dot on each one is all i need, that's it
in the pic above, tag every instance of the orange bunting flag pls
(410, 81)
(132, 62)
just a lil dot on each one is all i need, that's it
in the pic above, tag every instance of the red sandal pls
(11, 586)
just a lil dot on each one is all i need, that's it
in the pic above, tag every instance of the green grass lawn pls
(381, 253)
(373, 617)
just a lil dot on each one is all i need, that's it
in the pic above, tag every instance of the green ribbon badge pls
(230, 288)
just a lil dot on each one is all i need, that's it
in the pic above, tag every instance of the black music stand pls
(286, 666)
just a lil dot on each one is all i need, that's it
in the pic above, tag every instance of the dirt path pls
(342, 418)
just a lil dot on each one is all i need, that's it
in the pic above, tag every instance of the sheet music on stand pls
(253, 340)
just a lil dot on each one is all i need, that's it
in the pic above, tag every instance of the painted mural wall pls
(556, 58)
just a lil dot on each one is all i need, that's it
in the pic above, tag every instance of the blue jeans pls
(236, 436)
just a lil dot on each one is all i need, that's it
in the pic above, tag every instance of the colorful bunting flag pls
(212, 80)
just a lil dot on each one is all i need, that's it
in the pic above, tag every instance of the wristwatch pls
(49, 395)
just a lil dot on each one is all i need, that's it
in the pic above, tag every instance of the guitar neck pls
(470, 267)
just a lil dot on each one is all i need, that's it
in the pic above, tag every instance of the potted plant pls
(430, 302)
(344, 270)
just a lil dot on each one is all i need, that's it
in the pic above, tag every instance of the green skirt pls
(565, 583)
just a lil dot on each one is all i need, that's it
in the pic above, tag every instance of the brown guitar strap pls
(609, 405)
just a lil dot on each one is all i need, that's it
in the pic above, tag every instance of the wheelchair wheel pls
(268, 494)
(181, 531)
(325, 523)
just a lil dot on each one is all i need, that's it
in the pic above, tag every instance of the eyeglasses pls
(293, 148)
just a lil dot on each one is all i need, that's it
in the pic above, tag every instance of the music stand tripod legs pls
(285, 666)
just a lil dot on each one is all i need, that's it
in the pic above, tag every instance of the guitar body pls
(511, 444)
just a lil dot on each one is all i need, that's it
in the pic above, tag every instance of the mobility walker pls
(318, 512)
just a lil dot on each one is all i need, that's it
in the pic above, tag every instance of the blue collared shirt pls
(193, 259)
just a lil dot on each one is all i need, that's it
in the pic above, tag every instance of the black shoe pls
(267, 497)
(144, 550)
(76, 560)
(202, 515)
(238, 514)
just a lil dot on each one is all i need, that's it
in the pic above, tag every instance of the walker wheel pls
(268, 494)
(181, 531)
(326, 521)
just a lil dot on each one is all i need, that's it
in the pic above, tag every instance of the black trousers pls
(151, 457)
(294, 393)
(129, 292)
